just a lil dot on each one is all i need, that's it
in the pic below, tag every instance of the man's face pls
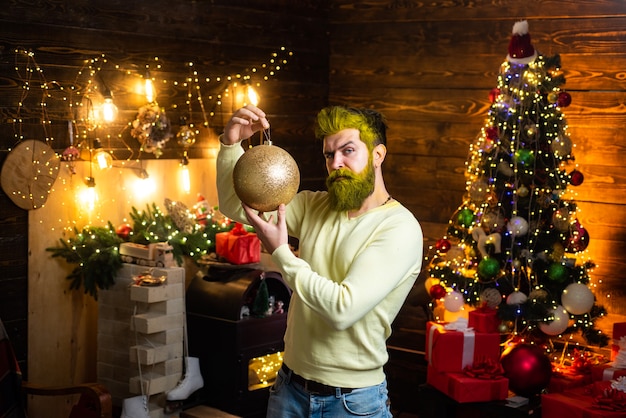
(350, 170)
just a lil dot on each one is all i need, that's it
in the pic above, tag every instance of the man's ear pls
(379, 153)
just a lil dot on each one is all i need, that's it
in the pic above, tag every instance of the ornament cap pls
(521, 50)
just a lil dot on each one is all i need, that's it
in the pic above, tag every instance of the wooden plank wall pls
(429, 66)
(220, 37)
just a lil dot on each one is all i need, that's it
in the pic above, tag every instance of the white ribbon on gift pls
(619, 384)
(607, 374)
(469, 340)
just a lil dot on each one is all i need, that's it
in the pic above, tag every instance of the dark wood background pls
(428, 66)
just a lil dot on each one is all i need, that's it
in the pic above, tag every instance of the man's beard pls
(351, 190)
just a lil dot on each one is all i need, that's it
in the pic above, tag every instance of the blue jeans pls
(289, 400)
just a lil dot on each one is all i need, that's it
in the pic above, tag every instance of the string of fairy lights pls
(80, 103)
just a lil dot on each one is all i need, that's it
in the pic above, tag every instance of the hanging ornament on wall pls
(151, 128)
(185, 137)
(29, 172)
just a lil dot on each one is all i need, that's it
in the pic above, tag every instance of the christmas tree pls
(515, 243)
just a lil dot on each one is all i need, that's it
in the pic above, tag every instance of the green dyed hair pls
(371, 124)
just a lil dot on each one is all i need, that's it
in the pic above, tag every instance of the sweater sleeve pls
(228, 202)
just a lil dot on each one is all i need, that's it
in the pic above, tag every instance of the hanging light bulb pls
(89, 197)
(251, 95)
(108, 109)
(101, 157)
(184, 174)
(149, 88)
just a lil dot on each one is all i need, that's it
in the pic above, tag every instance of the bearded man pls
(360, 252)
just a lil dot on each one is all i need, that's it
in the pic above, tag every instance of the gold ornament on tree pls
(266, 176)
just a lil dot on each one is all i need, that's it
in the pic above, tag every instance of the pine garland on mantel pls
(95, 250)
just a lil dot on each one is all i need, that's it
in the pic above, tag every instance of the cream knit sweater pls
(349, 281)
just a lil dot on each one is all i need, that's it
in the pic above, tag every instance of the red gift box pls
(562, 382)
(238, 246)
(606, 372)
(577, 403)
(451, 351)
(619, 331)
(484, 319)
(463, 388)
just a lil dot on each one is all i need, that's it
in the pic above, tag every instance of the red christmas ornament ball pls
(493, 94)
(491, 133)
(437, 291)
(528, 369)
(578, 239)
(123, 231)
(564, 99)
(443, 245)
(576, 178)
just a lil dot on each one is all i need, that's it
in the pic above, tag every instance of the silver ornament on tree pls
(266, 176)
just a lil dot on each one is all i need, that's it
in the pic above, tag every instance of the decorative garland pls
(95, 250)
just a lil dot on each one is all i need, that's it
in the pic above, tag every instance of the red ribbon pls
(485, 369)
(238, 229)
(610, 400)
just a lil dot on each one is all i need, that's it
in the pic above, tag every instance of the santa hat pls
(521, 50)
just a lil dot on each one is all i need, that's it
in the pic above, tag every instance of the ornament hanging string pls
(265, 133)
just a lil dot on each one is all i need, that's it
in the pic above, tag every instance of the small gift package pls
(598, 400)
(451, 347)
(481, 382)
(238, 246)
(484, 319)
(615, 369)
(575, 371)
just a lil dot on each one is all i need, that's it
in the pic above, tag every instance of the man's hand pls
(271, 234)
(244, 123)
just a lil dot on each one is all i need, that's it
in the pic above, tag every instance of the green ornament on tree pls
(557, 272)
(465, 217)
(524, 157)
(488, 268)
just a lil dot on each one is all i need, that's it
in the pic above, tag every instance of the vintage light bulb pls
(149, 88)
(184, 175)
(251, 95)
(89, 197)
(101, 157)
(109, 110)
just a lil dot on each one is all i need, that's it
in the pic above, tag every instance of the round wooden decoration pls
(29, 172)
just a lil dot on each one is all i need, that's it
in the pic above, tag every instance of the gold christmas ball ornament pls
(266, 176)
